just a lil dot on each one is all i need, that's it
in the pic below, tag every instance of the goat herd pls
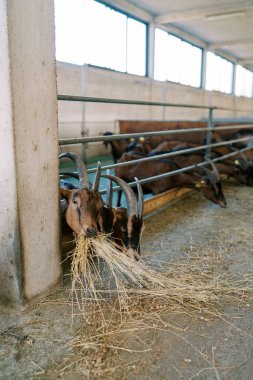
(84, 210)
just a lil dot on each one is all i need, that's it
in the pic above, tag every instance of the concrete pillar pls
(29, 201)
(203, 69)
(233, 79)
(151, 49)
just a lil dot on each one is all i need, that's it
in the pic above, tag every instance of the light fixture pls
(219, 16)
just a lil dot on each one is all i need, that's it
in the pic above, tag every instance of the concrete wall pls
(98, 118)
(29, 202)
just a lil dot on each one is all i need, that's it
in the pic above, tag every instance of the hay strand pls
(102, 271)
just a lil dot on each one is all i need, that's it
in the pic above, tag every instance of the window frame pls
(192, 44)
(233, 76)
(128, 15)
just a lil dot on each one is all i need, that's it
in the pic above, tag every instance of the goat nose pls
(91, 232)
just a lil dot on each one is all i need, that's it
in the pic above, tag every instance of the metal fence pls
(207, 147)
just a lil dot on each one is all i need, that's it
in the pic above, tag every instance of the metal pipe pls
(89, 99)
(172, 154)
(146, 134)
(178, 171)
(209, 134)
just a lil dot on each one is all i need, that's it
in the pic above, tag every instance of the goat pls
(118, 147)
(239, 166)
(166, 146)
(81, 206)
(124, 224)
(85, 211)
(199, 179)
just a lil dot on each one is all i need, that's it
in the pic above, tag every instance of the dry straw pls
(102, 271)
(126, 302)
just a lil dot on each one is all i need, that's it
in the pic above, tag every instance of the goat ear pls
(65, 193)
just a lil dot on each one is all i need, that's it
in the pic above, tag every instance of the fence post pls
(209, 133)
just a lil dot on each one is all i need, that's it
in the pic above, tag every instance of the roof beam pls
(245, 60)
(219, 44)
(223, 10)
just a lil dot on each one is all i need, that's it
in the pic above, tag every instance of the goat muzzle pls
(91, 232)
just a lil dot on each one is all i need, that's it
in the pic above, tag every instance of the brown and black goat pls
(118, 147)
(124, 224)
(238, 166)
(80, 207)
(85, 211)
(202, 179)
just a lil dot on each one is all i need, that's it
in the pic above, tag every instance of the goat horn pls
(203, 168)
(243, 164)
(215, 170)
(140, 199)
(69, 174)
(130, 196)
(80, 166)
(109, 191)
(243, 160)
(97, 178)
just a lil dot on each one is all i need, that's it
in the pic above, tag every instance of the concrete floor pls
(34, 344)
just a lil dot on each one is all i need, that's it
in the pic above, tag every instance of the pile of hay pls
(102, 271)
(127, 303)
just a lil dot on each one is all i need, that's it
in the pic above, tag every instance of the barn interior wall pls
(97, 118)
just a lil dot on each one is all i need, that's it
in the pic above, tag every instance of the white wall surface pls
(98, 118)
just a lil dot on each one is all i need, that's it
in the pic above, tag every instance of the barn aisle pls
(35, 343)
(207, 348)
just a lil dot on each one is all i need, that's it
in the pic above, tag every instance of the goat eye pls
(75, 201)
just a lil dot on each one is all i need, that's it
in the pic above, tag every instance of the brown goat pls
(199, 179)
(85, 211)
(125, 224)
(239, 166)
(81, 206)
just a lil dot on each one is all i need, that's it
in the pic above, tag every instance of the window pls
(90, 32)
(243, 82)
(219, 74)
(176, 60)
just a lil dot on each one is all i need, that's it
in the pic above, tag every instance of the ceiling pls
(224, 26)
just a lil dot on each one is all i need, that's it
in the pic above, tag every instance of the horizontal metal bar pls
(178, 171)
(233, 126)
(172, 154)
(89, 99)
(82, 140)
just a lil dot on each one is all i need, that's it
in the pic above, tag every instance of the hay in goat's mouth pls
(100, 266)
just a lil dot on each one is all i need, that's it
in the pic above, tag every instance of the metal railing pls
(89, 99)
(207, 147)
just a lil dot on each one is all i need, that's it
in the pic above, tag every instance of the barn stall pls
(192, 230)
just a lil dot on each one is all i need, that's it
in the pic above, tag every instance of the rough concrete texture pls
(29, 216)
(34, 344)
